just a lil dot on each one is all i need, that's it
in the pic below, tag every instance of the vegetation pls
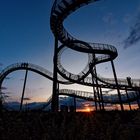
(111, 125)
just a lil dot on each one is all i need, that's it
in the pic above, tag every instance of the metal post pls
(57, 96)
(74, 101)
(95, 98)
(116, 81)
(97, 88)
(24, 85)
(102, 98)
(128, 99)
(129, 81)
(54, 104)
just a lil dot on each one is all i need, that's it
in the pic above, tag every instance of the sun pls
(87, 109)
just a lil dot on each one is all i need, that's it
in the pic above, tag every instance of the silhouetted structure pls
(97, 53)
(60, 10)
(25, 80)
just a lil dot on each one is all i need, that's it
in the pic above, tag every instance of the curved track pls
(60, 11)
(108, 98)
(44, 72)
(97, 53)
(32, 67)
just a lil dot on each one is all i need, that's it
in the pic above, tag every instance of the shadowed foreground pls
(113, 125)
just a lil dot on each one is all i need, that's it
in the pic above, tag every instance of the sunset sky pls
(25, 36)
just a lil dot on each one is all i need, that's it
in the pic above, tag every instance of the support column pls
(116, 81)
(24, 85)
(74, 101)
(54, 104)
(57, 96)
(94, 92)
(102, 100)
(97, 89)
(128, 99)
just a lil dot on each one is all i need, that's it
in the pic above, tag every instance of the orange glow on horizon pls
(87, 109)
(107, 108)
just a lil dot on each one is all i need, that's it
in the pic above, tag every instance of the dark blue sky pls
(25, 35)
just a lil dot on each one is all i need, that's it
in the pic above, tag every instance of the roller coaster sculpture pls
(97, 53)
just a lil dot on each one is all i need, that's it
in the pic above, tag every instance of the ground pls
(105, 125)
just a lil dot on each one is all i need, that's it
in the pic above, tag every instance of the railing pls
(108, 98)
(70, 41)
(33, 67)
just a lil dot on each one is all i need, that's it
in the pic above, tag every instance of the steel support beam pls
(128, 99)
(23, 91)
(138, 98)
(102, 100)
(74, 101)
(117, 85)
(54, 104)
(97, 89)
(94, 91)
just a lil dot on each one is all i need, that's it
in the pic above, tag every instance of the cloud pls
(8, 92)
(3, 93)
(41, 88)
(8, 78)
(1, 64)
(3, 88)
(134, 34)
(109, 19)
(6, 96)
(127, 18)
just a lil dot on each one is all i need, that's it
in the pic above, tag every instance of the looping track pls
(97, 53)
(60, 10)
